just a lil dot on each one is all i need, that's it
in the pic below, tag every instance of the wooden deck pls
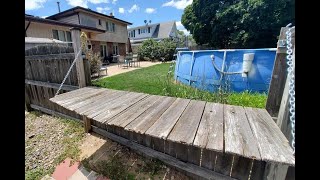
(219, 137)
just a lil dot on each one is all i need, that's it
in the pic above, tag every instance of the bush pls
(151, 49)
(95, 62)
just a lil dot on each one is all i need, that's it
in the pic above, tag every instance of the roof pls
(48, 21)
(162, 30)
(77, 9)
(41, 40)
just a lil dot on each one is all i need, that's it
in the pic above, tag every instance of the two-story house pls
(156, 31)
(108, 35)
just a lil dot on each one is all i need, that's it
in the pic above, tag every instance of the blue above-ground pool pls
(196, 68)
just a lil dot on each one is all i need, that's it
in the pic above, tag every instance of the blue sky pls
(134, 11)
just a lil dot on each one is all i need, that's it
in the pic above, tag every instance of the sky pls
(134, 11)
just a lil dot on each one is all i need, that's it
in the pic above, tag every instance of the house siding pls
(70, 19)
(120, 35)
(143, 35)
(122, 49)
(95, 46)
(43, 30)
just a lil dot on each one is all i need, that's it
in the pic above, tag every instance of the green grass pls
(155, 80)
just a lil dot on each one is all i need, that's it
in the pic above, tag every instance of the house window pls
(62, 36)
(99, 21)
(55, 34)
(138, 31)
(103, 50)
(148, 29)
(110, 27)
(115, 49)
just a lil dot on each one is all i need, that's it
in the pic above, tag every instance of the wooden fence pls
(278, 96)
(45, 68)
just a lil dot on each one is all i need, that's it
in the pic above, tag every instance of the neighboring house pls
(155, 31)
(108, 35)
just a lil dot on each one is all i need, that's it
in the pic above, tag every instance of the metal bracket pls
(282, 43)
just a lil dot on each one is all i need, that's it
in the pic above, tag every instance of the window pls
(99, 21)
(110, 27)
(148, 29)
(138, 31)
(62, 36)
(55, 34)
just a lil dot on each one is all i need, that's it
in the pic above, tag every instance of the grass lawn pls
(154, 80)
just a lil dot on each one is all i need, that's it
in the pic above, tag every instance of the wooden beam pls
(75, 34)
(279, 75)
(191, 170)
(87, 124)
(52, 112)
(50, 85)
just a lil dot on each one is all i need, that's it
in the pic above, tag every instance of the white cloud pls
(103, 10)
(98, 1)
(82, 3)
(114, 1)
(134, 8)
(180, 27)
(34, 4)
(179, 4)
(150, 10)
(44, 17)
(186, 32)
(121, 10)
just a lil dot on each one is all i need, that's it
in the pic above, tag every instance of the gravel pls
(44, 136)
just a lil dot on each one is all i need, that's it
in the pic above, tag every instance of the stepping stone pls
(63, 171)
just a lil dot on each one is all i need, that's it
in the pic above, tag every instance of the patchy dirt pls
(106, 157)
(48, 141)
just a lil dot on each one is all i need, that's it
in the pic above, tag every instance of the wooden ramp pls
(231, 140)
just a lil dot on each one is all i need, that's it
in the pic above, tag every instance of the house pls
(108, 35)
(156, 31)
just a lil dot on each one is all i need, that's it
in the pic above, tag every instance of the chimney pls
(58, 5)
(111, 14)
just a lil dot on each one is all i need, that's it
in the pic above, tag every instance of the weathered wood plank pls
(116, 108)
(69, 94)
(186, 128)
(190, 169)
(272, 144)
(87, 124)
(75, 96)
(279, 74)
(132, 112)
(97, 105)
(239, 138)
(150, 116)
(210, 131)
(51, 85)
(162, 127)
(275, 171)
(81, 98)
(91, 100)
(76, 43)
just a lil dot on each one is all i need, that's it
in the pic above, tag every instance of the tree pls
(237, 23)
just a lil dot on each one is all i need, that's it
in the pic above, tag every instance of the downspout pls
(78, 18)
(27, 28)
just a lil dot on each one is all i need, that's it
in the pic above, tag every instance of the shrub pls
(151, 49)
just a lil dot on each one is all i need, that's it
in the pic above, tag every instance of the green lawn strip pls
(155, 80)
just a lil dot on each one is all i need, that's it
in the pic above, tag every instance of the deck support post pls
(87, 124)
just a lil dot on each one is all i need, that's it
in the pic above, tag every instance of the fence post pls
(86, 123)
(75, 34)
(27, 101)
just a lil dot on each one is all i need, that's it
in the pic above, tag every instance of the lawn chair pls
(122, 62)
(135, 60)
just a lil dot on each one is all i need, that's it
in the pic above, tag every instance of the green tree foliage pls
(238, 23)
(153, 50)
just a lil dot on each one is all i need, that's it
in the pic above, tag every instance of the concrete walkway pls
(114, 69)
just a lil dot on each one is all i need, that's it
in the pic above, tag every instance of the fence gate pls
(45, 68)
